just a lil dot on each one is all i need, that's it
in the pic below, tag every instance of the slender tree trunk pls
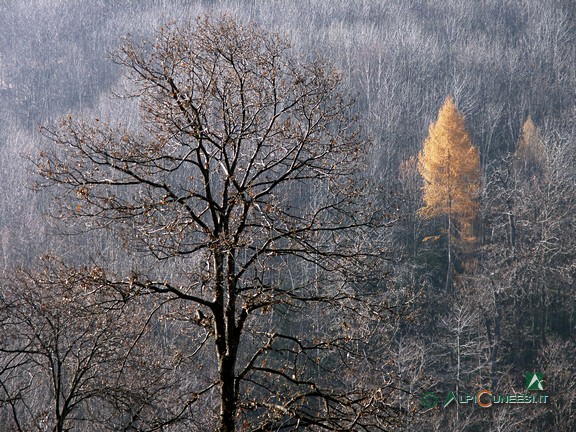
(449, 271)
(494, 339)
(457, 371)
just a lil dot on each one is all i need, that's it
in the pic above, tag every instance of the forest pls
(317, 215)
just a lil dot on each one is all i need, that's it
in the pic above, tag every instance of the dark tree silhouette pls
(241, 175)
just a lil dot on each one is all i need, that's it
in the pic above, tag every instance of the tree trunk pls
(227, 394)
(449, 271)
(227, 336)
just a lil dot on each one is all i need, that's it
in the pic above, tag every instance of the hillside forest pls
(250, 216)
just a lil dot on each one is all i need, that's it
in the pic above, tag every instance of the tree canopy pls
(530, 157)
(450, 168)
(232, 127)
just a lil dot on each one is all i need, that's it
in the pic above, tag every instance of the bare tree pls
(560, 384)
(76, 354)
(241, 177)
(58, 337)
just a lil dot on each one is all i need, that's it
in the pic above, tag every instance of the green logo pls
(428, 400)
(534, 381)
(449, 398)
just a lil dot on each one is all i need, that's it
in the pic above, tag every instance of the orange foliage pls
(450, 167)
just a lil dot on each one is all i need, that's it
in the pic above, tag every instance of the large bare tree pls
(239, 185)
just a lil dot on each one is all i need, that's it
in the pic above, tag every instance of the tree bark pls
(227, 338)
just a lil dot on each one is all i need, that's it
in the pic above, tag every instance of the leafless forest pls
(324, 215)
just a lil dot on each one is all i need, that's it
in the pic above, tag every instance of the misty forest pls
(324, 215)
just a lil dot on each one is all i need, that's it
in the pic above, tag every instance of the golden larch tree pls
(450, 167)
(530, 156)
